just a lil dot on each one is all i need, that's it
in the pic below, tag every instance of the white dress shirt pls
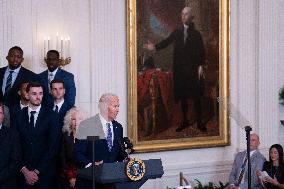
(59, 105)
(104, 122)
(35, 115)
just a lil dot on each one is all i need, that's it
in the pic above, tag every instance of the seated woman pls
(274, 167)
(68, 169)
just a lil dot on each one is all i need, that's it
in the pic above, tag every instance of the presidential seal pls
(135, 169)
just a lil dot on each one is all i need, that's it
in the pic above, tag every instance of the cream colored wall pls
(98, 51)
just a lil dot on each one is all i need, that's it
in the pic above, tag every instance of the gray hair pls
(189, 10)
(105, 100)
(68, 117)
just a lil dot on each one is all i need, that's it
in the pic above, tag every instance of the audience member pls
(107, 149)
(40, 140)
(238, 176)
(55, 72)
(10, 154)
(69, 170)
(13, 75)
(59, 105)
(274, 167)
(24, 100)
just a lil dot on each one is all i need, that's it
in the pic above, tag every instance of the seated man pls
(107, 149)
(238, 176)
(10, 154)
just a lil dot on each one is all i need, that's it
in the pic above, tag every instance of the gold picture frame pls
(191, 137)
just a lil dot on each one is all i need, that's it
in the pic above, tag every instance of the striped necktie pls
(109, 137)
(242, 172)
(9, 82)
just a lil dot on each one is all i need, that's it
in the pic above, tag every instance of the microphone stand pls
(93, 139)
(248, 130)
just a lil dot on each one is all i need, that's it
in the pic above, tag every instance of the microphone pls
(126, 147)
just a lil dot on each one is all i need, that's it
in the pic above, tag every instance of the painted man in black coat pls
(188, 58)
(10, 155)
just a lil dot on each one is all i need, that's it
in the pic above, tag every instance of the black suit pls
(188, 55)
(62, 111)
(12, 97)
(40, 144)
(10, 157)
(14, 110)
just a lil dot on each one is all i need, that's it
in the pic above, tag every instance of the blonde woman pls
(68, 168)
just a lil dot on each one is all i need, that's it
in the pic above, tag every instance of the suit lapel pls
(45, 80)
(39, 118)
(2, 76)
(58, 74)
(19, 77)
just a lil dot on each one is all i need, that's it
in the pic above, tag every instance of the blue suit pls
(10, 157)
(12, 97)
(83, 148)
(40, 144)
(70, 89)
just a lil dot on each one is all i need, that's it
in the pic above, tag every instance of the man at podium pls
(110, 132)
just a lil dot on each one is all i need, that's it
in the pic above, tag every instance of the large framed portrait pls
(178, 70)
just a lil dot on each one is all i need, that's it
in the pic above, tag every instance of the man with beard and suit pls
(40, 140)
(59, 105)
(55, 72)
(103, 124)
(10, 155)
(188, 76)
(13, 75)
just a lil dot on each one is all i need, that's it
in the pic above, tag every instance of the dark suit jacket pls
(70, 89)
(62, 112)
(83, 148)
(40, 144)
(14, 110)
(10, 157)
(12, 97)
(187, 56)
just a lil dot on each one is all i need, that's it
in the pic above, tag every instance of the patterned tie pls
(9, 82)
(242, 172)
(50, 78)
(56, 108)
(32, 119)
(109, 137)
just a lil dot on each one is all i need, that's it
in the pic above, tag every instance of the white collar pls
(0, 126)
(59, 104)
(15, 70)
(104, 121)
(185, 26)
(22, 106)
(36, 110)
(53, 73)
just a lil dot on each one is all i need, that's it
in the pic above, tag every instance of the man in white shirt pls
(40, 139)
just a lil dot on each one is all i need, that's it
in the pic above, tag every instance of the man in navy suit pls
(54, 72)
(59, 105)
(12, 75)
(107, 149)
(10, 155)
(40, 140)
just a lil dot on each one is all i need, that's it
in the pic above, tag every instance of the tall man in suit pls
(12, 75)
(59, 105)
(188, 76)
(238, 176)
(24, 100)
(10, 155)
(107, 149)
(40, 140)
(54, 72)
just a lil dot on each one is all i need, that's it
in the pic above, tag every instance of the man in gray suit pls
(239, 178)
(108, 147)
